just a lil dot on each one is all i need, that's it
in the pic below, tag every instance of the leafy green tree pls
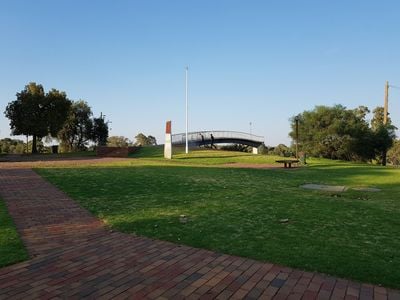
(361, 111)
(13, 146)
(393, 155)
(78, 128)
(340, 133)
(263, 149)
(118, 141)
(384, 134)
(100, 131)
(151, 140)
(281, 150)
(59, 106)
(142, 140)
(36, 113)
(335, 132)
(41, 148)
(377, 118)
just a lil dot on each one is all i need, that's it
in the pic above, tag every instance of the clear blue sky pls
(249, 61)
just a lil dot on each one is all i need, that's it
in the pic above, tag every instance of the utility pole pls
(186, 97)
(386, 104)
(296, 119)
(385, 118)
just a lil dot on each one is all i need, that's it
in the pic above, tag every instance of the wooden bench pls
(287, 162)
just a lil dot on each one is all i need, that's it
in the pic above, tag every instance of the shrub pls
(393, 155)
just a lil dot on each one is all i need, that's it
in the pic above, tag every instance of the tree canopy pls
(81, 128)
(8, 145)
(100, 131)
(142, 140)
(77, 129)
(394, 153)
(37, 113)
(118, 141)
(340, 133)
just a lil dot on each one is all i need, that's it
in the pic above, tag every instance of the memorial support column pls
(168, 141)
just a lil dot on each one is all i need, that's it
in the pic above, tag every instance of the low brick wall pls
(115, 151)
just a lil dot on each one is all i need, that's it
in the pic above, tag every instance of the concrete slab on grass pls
(325, 188)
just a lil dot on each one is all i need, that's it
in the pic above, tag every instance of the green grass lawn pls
(238, 211)
(202, 157)
(12, 249)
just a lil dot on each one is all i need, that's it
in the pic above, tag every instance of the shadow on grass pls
(209, 157)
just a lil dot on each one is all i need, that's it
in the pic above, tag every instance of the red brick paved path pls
(74, 256)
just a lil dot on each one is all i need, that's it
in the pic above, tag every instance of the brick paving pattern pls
(74, 256)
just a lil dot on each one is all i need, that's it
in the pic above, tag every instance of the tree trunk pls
(384, 158)
(34, 148)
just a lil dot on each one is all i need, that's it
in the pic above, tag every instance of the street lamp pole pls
(186, 97)
(296, 119)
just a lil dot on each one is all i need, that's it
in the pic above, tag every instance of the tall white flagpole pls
(186, 94)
